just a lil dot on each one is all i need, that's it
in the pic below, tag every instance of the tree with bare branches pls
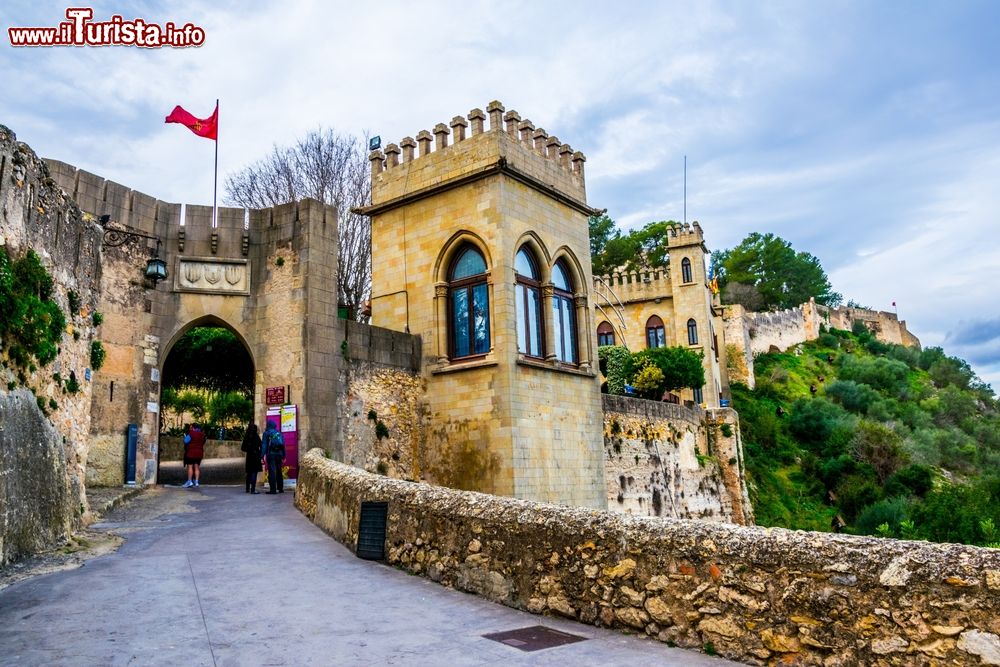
(332, 168)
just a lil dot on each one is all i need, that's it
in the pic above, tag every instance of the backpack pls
(276, 447)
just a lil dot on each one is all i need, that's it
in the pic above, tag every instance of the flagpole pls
(215, 187)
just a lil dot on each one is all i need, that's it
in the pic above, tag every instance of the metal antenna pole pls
(685, 189)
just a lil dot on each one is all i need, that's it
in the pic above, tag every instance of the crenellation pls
(377, 158)
(552, 145)
(495, 110)
(490, 149)
(392, 156)
(408, 145)
(566, 156)
(441, 133)
(512, 118)
(458, 125)
(525, 129)
(540, 137)
(477, 117)
(424, 139)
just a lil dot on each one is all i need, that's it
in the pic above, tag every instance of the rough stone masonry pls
(762, 596)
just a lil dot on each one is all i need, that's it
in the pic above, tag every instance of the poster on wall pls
(286, 418)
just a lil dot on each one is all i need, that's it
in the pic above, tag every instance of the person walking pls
(251, 445)
(274, 453)
(193, 454)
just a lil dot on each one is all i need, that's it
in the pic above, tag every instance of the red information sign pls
(274, 395)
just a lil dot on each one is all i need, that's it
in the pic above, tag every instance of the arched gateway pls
(268, 275)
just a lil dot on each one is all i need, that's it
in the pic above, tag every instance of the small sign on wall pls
(274, 396)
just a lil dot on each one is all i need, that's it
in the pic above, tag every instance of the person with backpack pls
(194, 450)
(273, 450)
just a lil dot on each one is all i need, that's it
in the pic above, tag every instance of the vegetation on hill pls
(849, 433)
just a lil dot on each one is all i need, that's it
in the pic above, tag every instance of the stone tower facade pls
(480, 245)
(658, 307)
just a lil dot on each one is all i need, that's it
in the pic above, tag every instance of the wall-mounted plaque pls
(212, 275)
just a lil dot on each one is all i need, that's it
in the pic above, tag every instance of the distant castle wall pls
(750, 334)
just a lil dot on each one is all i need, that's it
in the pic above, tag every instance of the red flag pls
(207, 127)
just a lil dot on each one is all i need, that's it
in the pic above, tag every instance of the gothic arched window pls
(605, 334)
(686, 271)
(468, 305)
(563, 314)
(528, 299)
(692, 332)
(655, 333)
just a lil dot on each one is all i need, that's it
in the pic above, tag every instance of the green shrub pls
(681, 368)
(372, 415)
(97, 355)
(381, 430)
(616, 365)
(853, 396)
(829, 340)
(916, 480)
(891, 511)
(880, 447)
(74, 302)
(815, 420)
(886, 375)
(97, 318)
(32, 323)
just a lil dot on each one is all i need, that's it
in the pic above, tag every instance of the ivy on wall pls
(32, 324)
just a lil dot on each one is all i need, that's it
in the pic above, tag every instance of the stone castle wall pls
(748, 334)
(671, 461)
(761, 596)
(43, 448)
(380, 383)
(258, 272)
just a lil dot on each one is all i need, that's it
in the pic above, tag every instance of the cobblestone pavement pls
(213, 576)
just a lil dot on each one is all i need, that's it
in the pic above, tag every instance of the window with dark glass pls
(605, 334)
(692, 332)
(655, 333)
(469, 305)
(563, 315)
(686, 271)
(528, 300)
(698, 397)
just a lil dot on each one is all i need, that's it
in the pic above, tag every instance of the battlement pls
(183, 228)
(464, 150)
(627, 286)
(686, 235)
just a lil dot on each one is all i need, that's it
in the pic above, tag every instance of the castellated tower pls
(480, 245)
(695, 321)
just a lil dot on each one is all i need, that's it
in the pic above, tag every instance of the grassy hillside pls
(848, 433)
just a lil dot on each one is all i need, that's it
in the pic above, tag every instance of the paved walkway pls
(214, 576)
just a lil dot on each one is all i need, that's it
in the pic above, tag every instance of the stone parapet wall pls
(761, 596)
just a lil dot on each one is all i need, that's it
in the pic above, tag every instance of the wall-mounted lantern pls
(156, 268)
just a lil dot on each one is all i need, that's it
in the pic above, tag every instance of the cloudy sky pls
(867, 133)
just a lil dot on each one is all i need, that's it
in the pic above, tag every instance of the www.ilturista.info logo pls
(80, 30)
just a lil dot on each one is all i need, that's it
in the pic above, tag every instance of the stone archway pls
(226, 372)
